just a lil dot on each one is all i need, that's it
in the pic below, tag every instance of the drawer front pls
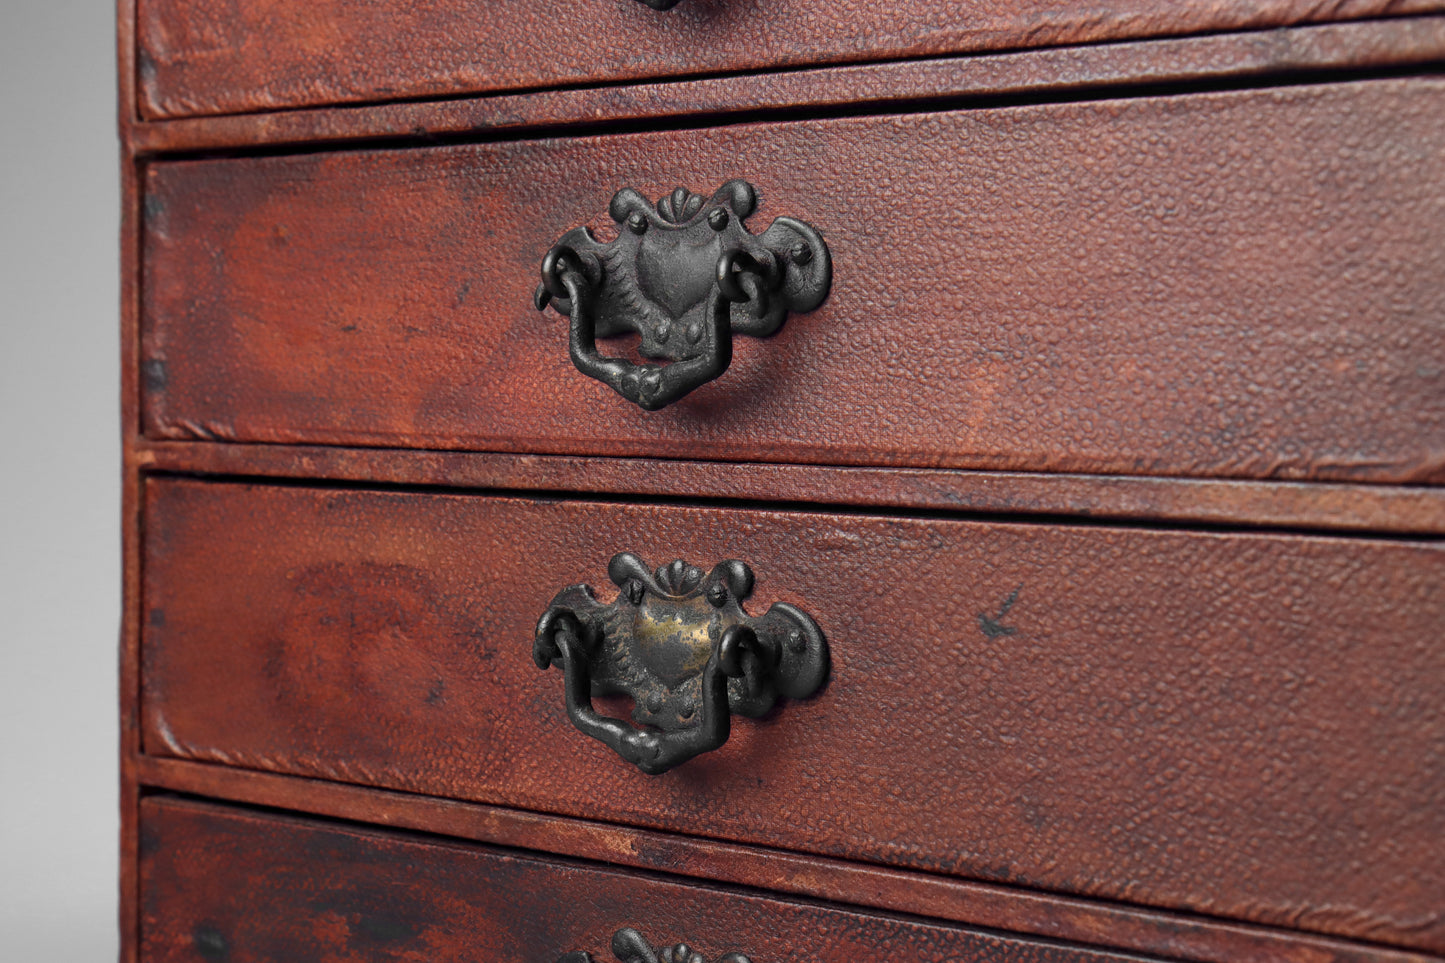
(1245, 725)
(1241, 284)
(225, 884)
(219, 56)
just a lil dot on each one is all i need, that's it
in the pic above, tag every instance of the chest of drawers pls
(992, 452)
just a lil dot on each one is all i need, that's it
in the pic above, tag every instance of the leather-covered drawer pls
(1237, 284)
(1244, 725)
(226, 884)
(219, 56)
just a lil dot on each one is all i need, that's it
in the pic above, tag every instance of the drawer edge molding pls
(1326, 506)
(1179, 936)
(1288, 53)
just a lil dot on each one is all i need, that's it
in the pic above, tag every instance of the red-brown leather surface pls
(1244, 725)
(225, 884)
(221, 56)
(1243, 284)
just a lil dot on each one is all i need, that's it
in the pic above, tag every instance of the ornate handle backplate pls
(629, 947)
(686, 276)
(679, 643)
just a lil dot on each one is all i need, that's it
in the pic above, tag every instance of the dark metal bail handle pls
(653, 752)
(686, 276)
(659, 4)
(678, 642)
(649, 386)
(629, 946)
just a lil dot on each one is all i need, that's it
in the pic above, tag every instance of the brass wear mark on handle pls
(677, 641)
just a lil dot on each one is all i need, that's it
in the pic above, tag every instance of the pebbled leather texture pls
(231, 885)
(220, 56)
(1235, 284)
(1241, 725)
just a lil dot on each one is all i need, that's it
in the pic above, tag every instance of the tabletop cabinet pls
(749, 482)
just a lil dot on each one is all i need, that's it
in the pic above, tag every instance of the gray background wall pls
(60, 503)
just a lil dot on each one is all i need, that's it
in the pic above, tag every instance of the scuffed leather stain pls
(364, 631)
